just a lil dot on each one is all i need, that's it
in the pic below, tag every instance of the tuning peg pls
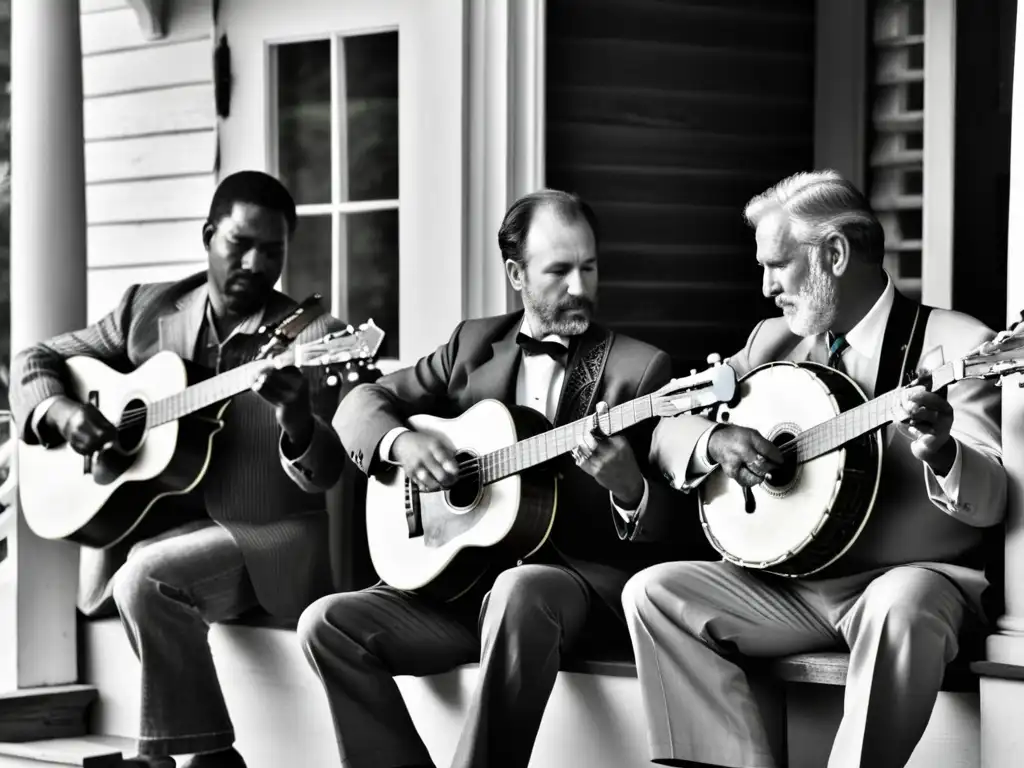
(693, 371)
(714, 359)
(332, 380)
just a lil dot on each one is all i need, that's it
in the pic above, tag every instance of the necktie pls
(532, 346)
(838, 345)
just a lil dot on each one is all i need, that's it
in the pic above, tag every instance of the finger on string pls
(599, 412)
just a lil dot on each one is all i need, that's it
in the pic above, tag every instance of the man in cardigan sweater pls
(253, 532)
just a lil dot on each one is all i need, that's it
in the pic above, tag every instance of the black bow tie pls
(532, 346)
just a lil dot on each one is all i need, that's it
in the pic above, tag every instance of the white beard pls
(816, 305)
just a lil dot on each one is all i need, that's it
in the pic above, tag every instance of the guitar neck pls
(206, 393)
(532, 451)
(863, 419)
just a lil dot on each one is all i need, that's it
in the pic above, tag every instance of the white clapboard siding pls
(186, 108)
(158, 66)
(119, 30)
(107, 286)
(187, 197)
(153, 243)
(94, 6)
(176, 154)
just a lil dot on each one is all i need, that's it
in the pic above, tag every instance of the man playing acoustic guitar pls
(898, 596)
(521, 621)
(254, 531)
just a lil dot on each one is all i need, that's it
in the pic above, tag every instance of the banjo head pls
(779, 400)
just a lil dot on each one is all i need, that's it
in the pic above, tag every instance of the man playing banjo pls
(898, 596)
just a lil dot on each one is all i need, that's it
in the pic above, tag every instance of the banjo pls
(816, 505)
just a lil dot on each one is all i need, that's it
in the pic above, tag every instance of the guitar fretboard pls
(861, 420)
(205, 393)
(532, 451)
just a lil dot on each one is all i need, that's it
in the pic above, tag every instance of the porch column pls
(38, 578)
(505, 87)
(1002, 675)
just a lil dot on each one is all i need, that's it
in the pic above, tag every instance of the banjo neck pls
(868, 417)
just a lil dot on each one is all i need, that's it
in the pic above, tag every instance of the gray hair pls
(821, 205)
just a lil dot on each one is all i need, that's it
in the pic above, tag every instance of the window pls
(335, 145)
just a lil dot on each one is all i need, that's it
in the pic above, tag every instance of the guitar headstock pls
(347, 345)
(712, 386)
(1003, 356)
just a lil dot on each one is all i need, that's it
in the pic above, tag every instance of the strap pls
(586, 370)
(902, 343)
(290, 327)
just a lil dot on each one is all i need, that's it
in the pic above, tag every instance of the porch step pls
(51, 712)
(83, 751)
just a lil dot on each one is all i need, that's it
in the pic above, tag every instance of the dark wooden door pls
(667, 116)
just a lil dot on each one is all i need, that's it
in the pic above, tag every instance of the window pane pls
(304, 120)
(369, 157)
(308, 269)
(369, 249)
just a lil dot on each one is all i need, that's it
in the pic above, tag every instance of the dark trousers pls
(357, 642)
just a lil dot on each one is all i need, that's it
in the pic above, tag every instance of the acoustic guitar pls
(813, 509)
(166, 422)
(503, 506)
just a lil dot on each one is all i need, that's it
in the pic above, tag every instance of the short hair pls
(516, 224)
(821, 204)
(256, 188)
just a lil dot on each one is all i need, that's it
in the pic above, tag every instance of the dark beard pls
(557, 320)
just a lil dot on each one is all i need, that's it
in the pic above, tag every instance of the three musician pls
(626, 549)
(254, 532)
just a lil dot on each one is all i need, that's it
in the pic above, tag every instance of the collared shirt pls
(861, 359)
(538, 386)
(209, 348)
(540, 378)
(860, 362)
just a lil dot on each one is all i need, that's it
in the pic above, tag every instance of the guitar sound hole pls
(465, 493)
(784, 475)
(132, 427)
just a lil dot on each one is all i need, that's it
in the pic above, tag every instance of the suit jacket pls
(912, 521)
(274, 509)
(481, 361)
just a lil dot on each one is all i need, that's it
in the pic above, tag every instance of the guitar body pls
(441, 543)
(810, 513)
(98, 508)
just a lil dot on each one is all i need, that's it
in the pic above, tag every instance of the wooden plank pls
(119, 30)
(75, 752)
(656, 184)
(186, 108)
(44, 713)
(593, 144)
(716, 112)
(94, 6)
(158, 66)
(187, 197)
(151, 156)
(633, 64)
(668, 224)
(147, 244)
(107, 286)
(763, 28)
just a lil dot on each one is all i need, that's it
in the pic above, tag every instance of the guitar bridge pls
(413, 511)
